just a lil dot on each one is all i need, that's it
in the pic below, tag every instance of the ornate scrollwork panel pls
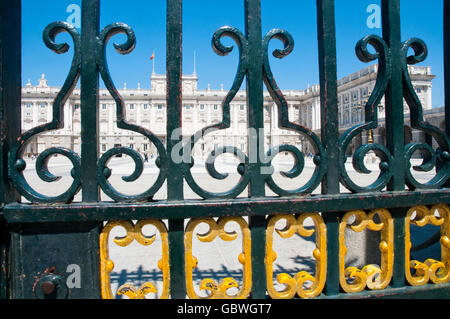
(374, 277)
(242, 168)
(103, 172)
(430, 156)
(436, 271)
(383, 55)
(16, 164)
(133, 233)
(296, 285)
(285, 123)
(217, 229)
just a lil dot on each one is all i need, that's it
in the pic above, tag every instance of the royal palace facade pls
(201, 108)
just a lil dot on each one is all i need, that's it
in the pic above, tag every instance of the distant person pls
(145, 158)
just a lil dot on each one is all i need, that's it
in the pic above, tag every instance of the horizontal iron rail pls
(104, 211)
(429, 291)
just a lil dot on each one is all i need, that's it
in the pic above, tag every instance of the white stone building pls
(201, 108)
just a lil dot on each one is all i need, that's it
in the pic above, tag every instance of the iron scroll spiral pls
(417, 122)
(103, 172)
(242, 168)
(16, 164)
(383, 55)
(284, 122)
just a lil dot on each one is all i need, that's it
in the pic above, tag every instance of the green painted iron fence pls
(42, 237)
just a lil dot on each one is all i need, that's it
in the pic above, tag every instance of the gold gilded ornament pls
(133, 232)
(296, 285)
(217, 229)
(372, 276)
(436, 271)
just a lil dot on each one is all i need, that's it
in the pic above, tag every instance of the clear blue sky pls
(203, 17)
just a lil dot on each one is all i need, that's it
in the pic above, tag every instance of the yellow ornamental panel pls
(296, 285)
(133, 232)
(373, 277)
(436, 271)
(218, 290)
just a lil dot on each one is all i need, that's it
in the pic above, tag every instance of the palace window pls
(354, 117)
(365, 92)
(346, 117)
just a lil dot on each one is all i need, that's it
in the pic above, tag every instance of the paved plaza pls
(137, 264)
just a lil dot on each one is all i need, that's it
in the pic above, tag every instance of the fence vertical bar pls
(10, 89)
(255, 103)
(89, 96)
(10, 115)
(329, 131)
(394, 128)
(174, 137)
(447, 64)
(90, 25)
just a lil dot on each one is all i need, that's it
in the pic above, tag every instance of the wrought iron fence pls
(35, 234)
